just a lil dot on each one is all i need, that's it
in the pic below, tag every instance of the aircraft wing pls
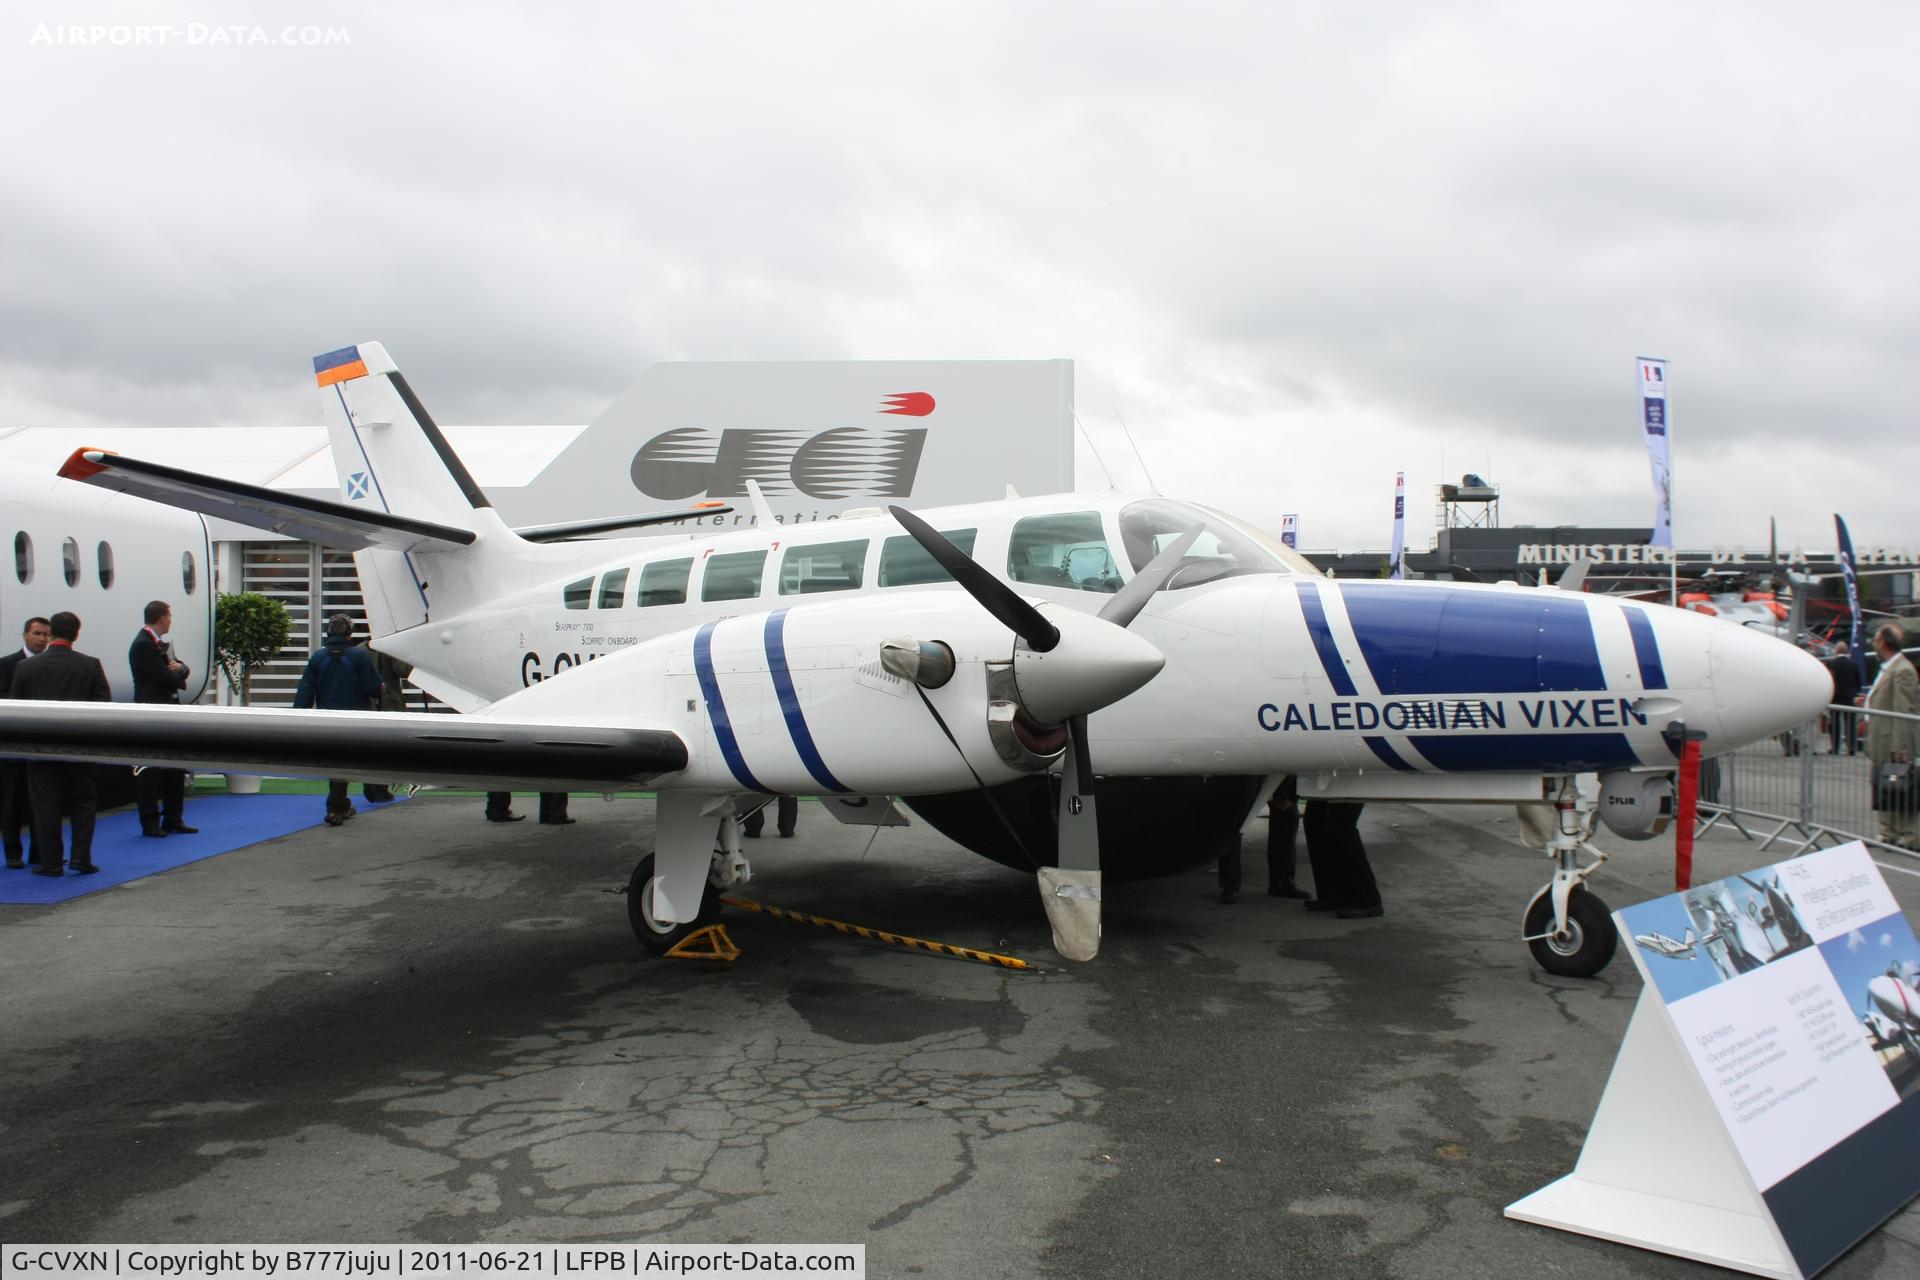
(450, 750)
(334, 524)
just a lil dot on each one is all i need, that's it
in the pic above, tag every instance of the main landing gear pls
(1567, 927)
(646, 896)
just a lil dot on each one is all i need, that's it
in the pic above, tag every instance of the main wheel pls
(1587, 945)
(658, 936)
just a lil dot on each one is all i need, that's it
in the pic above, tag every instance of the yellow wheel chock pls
(708, 943)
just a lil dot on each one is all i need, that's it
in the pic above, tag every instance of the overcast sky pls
(1296, 247)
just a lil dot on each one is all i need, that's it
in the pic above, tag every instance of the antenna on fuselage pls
(1088, 437)
(1137, 455)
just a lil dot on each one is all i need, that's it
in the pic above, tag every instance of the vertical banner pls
(1653, 420)
(1399, 561)
(1290, 531)
(1857, 648)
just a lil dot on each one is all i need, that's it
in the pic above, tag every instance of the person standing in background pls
(16, 805)
(62, 789)
(158, 678)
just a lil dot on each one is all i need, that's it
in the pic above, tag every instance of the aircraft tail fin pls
(392, 457)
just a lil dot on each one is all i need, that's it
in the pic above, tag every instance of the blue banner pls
(1857, 649)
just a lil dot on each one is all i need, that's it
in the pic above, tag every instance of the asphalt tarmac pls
(424, 1027)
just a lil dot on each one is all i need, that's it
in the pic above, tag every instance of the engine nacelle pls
(1636, 806)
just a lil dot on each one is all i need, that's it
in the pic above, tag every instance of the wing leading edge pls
(374, 746)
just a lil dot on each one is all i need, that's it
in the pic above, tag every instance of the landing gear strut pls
(1567, 927)
(729, 868)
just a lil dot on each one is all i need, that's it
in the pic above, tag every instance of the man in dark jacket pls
(1843, 728)
(339, 677)
(16, 809)
(62, 789)
(158, 677)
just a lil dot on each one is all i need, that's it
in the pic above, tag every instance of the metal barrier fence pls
(1806, 789)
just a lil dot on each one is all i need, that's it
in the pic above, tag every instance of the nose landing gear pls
(1567, 927)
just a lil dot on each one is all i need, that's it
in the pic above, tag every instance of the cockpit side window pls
(577, 595)
(1067, 550)
(1224, 548)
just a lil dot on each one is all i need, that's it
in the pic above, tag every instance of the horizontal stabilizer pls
(589, 528)
(449, 750)
(332, 524)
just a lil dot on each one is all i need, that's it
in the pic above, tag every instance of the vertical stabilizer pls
(391, 455)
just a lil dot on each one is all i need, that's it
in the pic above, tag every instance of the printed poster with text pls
(1796, 992)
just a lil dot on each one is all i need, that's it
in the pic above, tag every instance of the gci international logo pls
(842, 462)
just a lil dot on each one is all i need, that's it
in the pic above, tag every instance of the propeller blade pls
(993, 595)
(1132, 598)
(1070, 892)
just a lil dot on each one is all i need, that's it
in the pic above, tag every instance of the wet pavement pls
(425, 1027)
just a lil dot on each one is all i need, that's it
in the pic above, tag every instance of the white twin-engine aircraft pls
(986, 662)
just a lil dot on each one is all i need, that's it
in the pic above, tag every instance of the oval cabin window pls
(23, 556)
(106, 565)
(189, 572)
(70, 561)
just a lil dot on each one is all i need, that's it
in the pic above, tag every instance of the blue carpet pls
(226, 823)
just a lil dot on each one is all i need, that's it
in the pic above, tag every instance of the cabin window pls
(613, 590)
(824, 566)
(23, 556)
(577, 595)
(70, 561)
(1222, 549)
(103, 555)
(905, 563)
(733, 577)
(1068, 550)
(664, 582)
(189, 572)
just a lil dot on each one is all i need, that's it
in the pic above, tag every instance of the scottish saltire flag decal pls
(343, 365)
(357, 485)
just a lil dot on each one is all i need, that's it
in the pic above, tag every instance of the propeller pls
(1064, 674)
(995, 596)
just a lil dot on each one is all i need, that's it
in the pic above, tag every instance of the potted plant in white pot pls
(248, 630)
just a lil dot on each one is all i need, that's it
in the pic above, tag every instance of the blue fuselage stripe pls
(717, 708)
(790, 703)
(1427, 640)
(1528, 752)
(1330, 659)
(1653, 673)
(1387, 754)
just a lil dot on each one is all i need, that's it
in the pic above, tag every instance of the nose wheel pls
(1580, 948)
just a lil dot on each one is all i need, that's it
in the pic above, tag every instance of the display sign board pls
(1764, 1113)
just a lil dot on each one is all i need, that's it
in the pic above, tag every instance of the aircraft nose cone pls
(1095, 665)
(1763, 686)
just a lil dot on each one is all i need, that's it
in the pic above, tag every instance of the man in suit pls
(1895, 689)
(157, 677)
(16, 807)
(62, 789)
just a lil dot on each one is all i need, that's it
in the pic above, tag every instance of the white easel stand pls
(1658, 1169)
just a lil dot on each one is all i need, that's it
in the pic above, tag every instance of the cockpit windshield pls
(1225, 549)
